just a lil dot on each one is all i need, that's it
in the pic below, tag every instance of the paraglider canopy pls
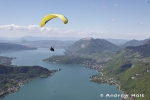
(51, 16)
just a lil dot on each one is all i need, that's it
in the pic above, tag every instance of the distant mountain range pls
(90, 46)
(5, 47)
(40, 42)
(47, 43)
(117, 42)
(63, 42)
(134, 43)
(33, 38)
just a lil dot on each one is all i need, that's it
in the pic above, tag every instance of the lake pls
(71, 83)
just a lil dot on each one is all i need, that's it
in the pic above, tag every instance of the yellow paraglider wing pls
(51, 16)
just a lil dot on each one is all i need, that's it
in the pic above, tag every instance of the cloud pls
(141, 23)
(104, 6)
(13, 30)
(115, 5)
(113, 20)
(19, 28)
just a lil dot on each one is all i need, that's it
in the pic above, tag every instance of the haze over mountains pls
(63, 42)
(31, 38)
(41, 42)
(6, 47)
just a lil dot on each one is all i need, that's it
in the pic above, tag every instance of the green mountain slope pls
(90, 46)
(85, 50)
(131, 67)
(11, 78)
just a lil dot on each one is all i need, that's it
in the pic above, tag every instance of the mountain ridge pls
(90, 46)
(134, 43)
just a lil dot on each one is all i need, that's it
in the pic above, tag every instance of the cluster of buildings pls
(136, 75)
(103, 79)
(93, 65)
(13, 89)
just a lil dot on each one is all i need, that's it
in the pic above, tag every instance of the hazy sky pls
(120, 19)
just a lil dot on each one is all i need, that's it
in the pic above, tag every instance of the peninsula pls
(13, 77)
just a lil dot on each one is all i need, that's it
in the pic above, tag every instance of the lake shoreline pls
(15, 88)
(118, 85)
(102, 79)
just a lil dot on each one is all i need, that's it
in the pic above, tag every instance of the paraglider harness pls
(52, 49)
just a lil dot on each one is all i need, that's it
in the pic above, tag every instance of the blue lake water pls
(71, 83)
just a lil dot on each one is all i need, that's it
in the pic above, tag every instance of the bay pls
(71, 83)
